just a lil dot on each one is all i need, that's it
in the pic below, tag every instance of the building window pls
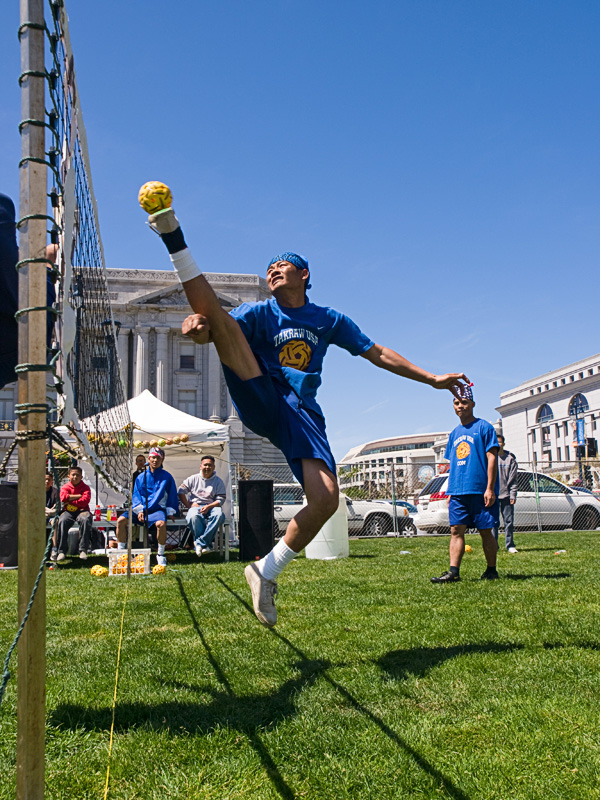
(581, 374)
(186, 400)
(557, 431)
(546, 442)
(544, 414)
(558, 454)
(531, 391)
(7, 406)
(572, 378)
(533, 435)
(578, 405)
(563, 381)
(590, 371)
(187, 356)
(567, 453)
(555, 384)
(566, 428)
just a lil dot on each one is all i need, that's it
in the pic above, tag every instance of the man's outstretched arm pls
(388, 359)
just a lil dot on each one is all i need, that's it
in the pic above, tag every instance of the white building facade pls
(413, 459)
(539, 417)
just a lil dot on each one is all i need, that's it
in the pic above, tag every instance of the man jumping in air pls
(272, 353)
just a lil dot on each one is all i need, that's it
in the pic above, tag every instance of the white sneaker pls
(163, 221)
(263, 595)
(161, 561)
(198, 550)
(206, 550)
(512, 550)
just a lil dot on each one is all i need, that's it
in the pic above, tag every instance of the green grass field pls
(375, 683)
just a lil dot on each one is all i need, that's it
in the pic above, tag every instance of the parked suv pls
(560, 506)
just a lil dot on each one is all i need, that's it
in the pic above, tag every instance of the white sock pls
(122, 546)
(273, 563)
(161, 549)
(186, 267)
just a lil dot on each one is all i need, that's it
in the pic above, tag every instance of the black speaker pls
(9, 539)
(257, 520)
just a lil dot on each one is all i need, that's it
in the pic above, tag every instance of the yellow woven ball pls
(99, 571)
(158, 569)
(155, 196)
(468, 548)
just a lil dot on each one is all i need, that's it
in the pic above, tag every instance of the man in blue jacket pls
(472, 450)
(154, 501)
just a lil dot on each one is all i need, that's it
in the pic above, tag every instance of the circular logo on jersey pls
(463, 450)
(295, 354)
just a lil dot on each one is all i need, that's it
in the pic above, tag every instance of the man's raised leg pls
(322, 499)
(232, 346)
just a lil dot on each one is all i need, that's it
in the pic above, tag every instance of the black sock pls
(490, 569)
(174, 240)
(455, 570)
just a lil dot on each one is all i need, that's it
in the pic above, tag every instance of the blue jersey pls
(290, 343)
(466, 450)
(158, 490)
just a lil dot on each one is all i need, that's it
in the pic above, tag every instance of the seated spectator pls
(154, 500)
(51, 497)
(140, 466)
(203, 495)
(75, 498)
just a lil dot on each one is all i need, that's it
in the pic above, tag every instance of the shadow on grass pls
(416, 662)
(363, 555)
(249, 714)
(452, 790)
(510, 576)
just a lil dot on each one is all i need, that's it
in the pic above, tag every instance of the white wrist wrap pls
(184, 264)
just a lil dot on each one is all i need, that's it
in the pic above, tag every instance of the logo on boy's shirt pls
(295, 354)
(463, 450)
(296, 351)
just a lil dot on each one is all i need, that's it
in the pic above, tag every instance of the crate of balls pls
(140, 562)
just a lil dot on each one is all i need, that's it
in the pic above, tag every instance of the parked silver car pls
(365, 517)
(559, 506)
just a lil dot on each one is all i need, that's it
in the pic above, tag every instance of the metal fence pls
(550, 496)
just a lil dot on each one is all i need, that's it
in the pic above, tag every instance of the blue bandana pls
(298, 261)
(466, 392)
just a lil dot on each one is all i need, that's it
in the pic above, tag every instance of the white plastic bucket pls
(332, 540)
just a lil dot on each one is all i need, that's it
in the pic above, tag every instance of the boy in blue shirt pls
(272, 353)
(472, 450)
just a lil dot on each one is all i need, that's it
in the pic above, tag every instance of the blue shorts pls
(153, 517)
(296, 431)
(470, 510)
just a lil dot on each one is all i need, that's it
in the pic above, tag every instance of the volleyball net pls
(90, 396)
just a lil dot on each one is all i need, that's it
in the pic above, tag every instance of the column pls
(141, 360)
(214, 385)
(162, 363)
(123, 348)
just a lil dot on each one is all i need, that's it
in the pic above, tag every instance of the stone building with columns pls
(150, 306)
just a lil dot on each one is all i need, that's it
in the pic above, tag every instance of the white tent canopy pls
(154, 420)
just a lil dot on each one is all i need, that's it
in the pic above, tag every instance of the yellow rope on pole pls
(112, 724)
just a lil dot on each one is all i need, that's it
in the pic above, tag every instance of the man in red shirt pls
(75, 503)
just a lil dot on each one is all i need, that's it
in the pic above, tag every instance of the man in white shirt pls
(203, 495)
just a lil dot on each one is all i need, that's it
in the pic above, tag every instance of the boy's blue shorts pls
(153, 517)
(298, 432)
(470, 510)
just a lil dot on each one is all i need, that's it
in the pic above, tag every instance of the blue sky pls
(436, 162)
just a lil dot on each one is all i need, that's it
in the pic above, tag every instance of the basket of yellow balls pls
(99, 571)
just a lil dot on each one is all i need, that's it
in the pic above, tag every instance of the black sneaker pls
(491, 574)
(447, 577)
